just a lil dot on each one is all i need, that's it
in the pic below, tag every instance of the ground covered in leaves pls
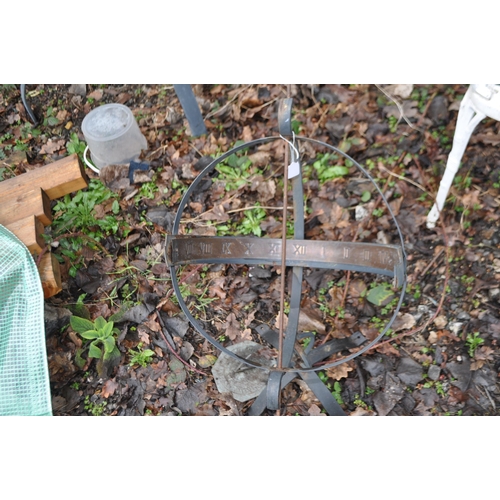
(439, 357)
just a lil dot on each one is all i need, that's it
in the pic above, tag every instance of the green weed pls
(140, 357)
(75, 146)
(101, 334)
(473, 342)
(96, 409)
(326, 171)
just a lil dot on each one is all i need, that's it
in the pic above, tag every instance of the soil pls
(439, 356)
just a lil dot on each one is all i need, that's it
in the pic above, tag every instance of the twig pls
(185, 363)
(435, 258)
(400, 108)
(220, 110)
(416, 184)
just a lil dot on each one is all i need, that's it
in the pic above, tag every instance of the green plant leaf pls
(109, 344)
(380, 295)
(81, 325)
(91, 334)
(366, 196)
(100, 323)
(94, 351)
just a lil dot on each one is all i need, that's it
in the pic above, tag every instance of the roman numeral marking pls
(274, 248)
(299, 249)
(249, 247)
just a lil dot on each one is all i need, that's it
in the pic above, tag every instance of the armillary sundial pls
(297, 352)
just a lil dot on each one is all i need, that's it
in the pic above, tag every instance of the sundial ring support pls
(388, 260)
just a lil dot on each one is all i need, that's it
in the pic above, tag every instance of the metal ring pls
(182, 205)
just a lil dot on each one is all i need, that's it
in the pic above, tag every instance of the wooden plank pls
(30, 202)
(50, 275)
(56, 179)
(29, 230)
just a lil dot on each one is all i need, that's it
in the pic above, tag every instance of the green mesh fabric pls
(24, 376)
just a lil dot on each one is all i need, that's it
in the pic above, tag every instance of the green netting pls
(24, 376)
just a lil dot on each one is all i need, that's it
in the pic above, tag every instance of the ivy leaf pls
(81, 325)
(381, 295)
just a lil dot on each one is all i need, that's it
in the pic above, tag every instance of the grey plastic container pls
(112, 135)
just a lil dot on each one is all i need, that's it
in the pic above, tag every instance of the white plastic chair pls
(480, 101)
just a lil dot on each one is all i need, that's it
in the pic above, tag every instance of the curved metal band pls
(374, 258)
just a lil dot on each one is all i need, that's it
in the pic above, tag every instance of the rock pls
(78, 89)
(494, 294)
(360, 212)
(485, 377)
(438, 110)
(455, 327)
(434, 372)
(242, 381)
(393, 392)
(374, 366)
(461, 372)
(410, 372)
(55, 318)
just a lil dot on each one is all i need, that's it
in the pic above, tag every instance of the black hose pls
(32, 115)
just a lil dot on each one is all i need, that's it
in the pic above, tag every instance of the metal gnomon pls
(297, 354)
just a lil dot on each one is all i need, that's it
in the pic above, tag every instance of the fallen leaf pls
(96, 94)
(441, 321)
(109, 388)
(311, 320)
(340, 371)
(51, 147)
(315, 411)
(232, 327)
(403, 322)
(481, 356)
(207, 361)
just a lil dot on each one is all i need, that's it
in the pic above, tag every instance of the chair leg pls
(468, 119)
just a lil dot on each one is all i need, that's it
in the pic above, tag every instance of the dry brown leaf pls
(232, 327)
(441, 321)
(403, 322)
(96, 94)
(109, 388)
(481, 356)
(340, 371)
(51, 147)
(357, 288)
(311, 320)
(153, 325)
(388, 350)
(315, 411)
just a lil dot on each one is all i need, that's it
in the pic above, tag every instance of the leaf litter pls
(117, 271)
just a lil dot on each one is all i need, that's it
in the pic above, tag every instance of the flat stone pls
(434, 372)
(485, 377)
(461, 372)
(393, 392)
(410, 372)
(235, 377)
(374, 366)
